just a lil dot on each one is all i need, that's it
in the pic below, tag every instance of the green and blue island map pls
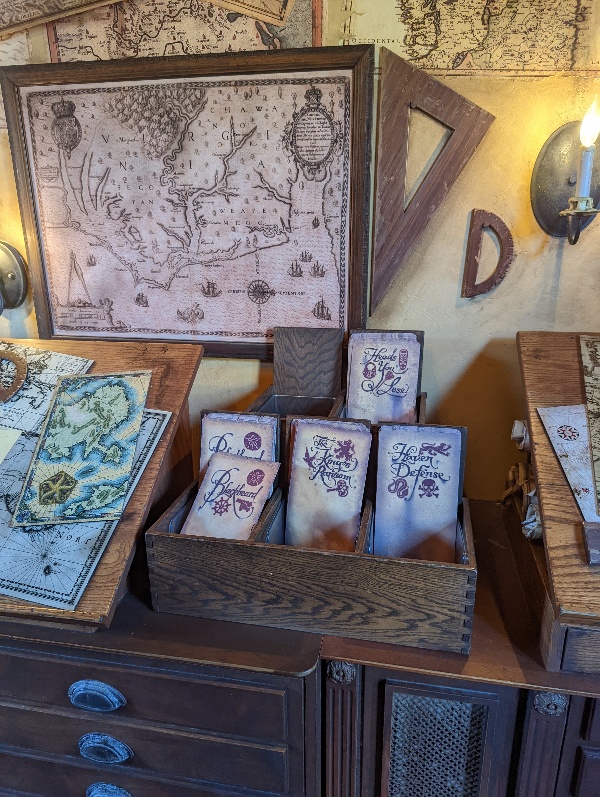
(82, 464)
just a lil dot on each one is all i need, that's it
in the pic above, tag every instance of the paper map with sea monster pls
(208, 207)
(52, 565)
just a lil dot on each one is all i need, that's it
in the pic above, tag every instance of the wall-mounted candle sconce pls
(13, 278)
(565, 185)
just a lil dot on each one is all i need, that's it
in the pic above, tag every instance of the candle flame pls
(590, 126)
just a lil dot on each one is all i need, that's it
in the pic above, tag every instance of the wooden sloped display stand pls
(570, 633)
(170, 468)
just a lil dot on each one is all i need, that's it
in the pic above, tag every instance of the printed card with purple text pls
(231, 497)
(384, 373)
(419, 486)
(327, 481)
(245, 435)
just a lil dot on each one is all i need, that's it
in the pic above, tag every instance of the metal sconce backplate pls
(13, 276)
(554, 178)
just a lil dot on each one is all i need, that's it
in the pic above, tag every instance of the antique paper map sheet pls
(590, 359)
(205, 208)
(14, 50)
(567, 428)
(52, 565)
(499, 36)
(144, 28)
(17, 15)
(27, 409)
(82, 464)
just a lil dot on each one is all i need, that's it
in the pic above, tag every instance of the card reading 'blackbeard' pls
(327, 481)
(231, 497)
(419, 485)
(383, 376)
(241, 434)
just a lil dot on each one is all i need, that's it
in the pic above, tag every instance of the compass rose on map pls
(259, 292)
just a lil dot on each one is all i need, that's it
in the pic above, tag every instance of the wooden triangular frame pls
(396, 229)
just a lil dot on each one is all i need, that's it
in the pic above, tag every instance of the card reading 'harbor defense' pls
(419, 479)
(82, 464)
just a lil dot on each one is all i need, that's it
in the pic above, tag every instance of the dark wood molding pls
(343, 712)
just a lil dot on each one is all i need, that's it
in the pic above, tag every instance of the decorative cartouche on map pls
(419, 479)
(327, 480)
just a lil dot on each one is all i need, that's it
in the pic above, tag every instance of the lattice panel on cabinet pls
(436, 747)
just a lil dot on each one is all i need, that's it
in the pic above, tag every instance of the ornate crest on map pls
(313, 135)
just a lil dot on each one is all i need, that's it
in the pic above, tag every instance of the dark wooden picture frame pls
(358, 60)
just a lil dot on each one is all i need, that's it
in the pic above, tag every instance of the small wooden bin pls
(264, 582)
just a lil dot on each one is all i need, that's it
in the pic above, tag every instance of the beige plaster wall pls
(470, 366)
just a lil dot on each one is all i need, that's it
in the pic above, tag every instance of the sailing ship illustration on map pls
(198, 196)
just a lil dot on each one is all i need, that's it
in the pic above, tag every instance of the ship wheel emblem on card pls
(567, 432)
(9, 387)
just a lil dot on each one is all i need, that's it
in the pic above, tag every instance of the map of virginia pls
(205, 207)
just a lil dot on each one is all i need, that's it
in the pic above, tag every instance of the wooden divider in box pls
(264, 582)
(307, 377)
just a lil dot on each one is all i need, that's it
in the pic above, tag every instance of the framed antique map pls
(204, 198)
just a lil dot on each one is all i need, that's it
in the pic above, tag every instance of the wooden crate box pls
(264, 582)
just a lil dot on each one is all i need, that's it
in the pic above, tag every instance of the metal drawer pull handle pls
(104, 749)
(106, 790)
(95, 696)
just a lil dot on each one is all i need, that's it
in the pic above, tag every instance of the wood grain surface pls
(426, 604)
(552, 374)
(397, 227)
(505, 641)
(173, 369)
(307, 362)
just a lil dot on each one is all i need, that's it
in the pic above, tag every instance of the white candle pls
(584, 175)
(590, 128)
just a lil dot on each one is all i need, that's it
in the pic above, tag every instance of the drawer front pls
(250, 708)
(588, 775)
(227, 762)
(39, 777)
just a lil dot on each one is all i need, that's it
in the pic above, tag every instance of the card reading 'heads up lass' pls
(327, 480)
(419, 486)
(384, 370)
(231, 497)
